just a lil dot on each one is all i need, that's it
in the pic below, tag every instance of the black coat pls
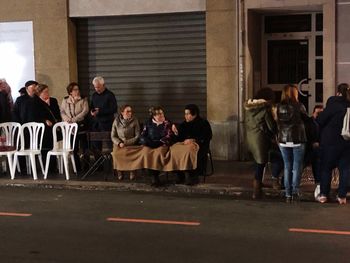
(198, 129)
(290, 120)
(107, 104)
(331, 122)
(20, 109)
(5, 111)
(154, 136)
(40, 111)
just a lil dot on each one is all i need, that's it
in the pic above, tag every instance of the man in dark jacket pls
(198, 130)
(102, 109)
(20, 108)
(335, 151)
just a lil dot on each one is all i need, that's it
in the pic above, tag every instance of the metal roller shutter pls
(146, 60)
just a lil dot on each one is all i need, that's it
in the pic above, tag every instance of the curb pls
(211, 190)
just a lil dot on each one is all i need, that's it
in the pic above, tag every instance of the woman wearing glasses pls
(125, 132)
(74, 108)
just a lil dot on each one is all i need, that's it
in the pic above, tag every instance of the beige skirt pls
(178, 157)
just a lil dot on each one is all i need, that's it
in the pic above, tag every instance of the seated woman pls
(194, 130)
(156, 133)
(74, 108)
(125, 132)
(45, 109)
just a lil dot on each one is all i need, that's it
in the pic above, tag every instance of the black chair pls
(101, 156)
(211, 165)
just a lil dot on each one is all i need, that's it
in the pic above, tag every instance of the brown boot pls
(119, 175)
(276, 184)
(256, 189)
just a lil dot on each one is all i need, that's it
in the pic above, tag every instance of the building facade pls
(216, 53)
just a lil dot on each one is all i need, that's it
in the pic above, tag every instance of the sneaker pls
(317, 191)
(321, 199)
(296, 198)
(288, 199)
(341, 201)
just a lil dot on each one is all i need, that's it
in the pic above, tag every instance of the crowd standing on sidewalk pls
(301, 139)
(278, 132)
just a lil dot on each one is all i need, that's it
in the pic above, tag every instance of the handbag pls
(345, 132)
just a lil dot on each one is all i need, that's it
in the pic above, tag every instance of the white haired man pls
(102, 109)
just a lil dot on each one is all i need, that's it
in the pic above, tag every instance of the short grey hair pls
(98, 79)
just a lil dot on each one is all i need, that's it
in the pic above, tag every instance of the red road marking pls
(319, 231)
(14, 214)
(149, 221)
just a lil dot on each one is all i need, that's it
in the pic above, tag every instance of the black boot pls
(181, 178)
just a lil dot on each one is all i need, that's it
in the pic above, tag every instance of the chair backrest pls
(36, 133)
(11, 131)
(104, 137)
(69, 133)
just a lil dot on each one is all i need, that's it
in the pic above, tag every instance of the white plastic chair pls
(11, 131)
(69, 133)
(36, 134)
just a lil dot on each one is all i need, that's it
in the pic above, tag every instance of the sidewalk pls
(230, 178)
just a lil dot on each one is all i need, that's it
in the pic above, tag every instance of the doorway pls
(291, 53)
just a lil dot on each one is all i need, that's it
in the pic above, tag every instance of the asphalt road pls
(72, 226)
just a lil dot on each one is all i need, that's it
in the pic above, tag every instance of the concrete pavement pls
(229, 179)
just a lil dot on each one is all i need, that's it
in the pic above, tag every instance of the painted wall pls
(81, 8)
(343, 41)
(53, 63)
(222, 88)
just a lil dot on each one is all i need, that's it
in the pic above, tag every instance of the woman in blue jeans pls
(291, 115)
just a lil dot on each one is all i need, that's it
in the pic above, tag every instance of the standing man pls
(102, 109)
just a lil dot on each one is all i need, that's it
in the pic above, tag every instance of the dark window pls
(319, 68)
(319, 45)
(319, 92)
(288, 23)
(287, 61)
(319, 22)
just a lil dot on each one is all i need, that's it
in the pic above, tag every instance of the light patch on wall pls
(16, 54)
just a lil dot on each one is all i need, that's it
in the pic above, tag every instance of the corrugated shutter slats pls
(146, 60)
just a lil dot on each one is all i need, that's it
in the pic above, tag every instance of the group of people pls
(158, 132)
(101, 115)
(284, 135)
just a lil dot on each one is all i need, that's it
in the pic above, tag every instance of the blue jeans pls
(293, 165)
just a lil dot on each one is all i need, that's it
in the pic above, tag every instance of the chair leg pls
(65, 163)
(15, 161)
(32, 160)
(73, 163)
(41, 163)
(47, 165)
(29, 170)
(18, 167)
(11, 167)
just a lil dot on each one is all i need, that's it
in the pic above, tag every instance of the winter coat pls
(260, 128)
(290, 120)
(107, 104)
(20, 109)
(74, 110)
(40, 111)
(198, 129)
(331, 122)
(125, 131)
(154, 135)
(5, 109)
